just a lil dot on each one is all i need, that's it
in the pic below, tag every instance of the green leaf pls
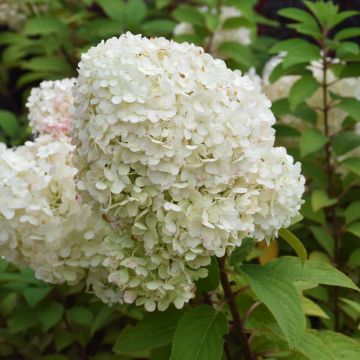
(241, 252)
(345, 141)
(349, 70)
(50, 314)
(350, 106)
(354, 229)
(324, 239)
(299, 15)
(43, 25)
(340, 346)
(189, 14)
(301, 55)
(238, 52)
(286, 130)
(307, 24)
(114, 9)
(353, 164)
(212, 21)
(345, 48)
(353, 304)
(295, 243)
(282, 107)
(22, 319)
(308, 213)
(9, 123)
(298, 52)
(3, 265)
(55, 357)
(280, 71)
(320, 200)
(63, 339)
(347, 33)
(199, 335)
(135, 11)
(343, 16)
(313, 348)
(275, 291)
(161, 353)
(211, 282)
(8, 303)
(160, 4)
(319, 256)
(317, 272)
(190, 38)
(33, 295)
(236, 22)
(80, 315)
(311, 141)
(19, 277)
(102, 318)
(306, 30)
(47, 63)
(32, 77)
(158, 27)
(328, 13)
(102, 28)
(155, 330)
(354, 260)
(313, 309)
(302, 89)
(287, 45)
(352, 212)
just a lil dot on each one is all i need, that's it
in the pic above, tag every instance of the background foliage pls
(264, 300)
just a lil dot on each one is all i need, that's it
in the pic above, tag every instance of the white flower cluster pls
(13, 13)
(44, 224)
(49, 107)
(177, 152)
(241, 35)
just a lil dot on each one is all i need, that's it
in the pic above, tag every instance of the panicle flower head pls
(13, 13)
(176, 150)
(44, 224)
(49, 107)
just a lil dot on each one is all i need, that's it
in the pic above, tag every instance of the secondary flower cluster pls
(172, 149)
(44, 224)
(13, 13)
(49, 107)
(239, 34)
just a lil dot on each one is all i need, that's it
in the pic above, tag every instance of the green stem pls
(238, 324)
(329, 170)
(211, 36)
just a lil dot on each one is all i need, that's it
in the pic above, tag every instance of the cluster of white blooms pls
(241, 35)
(175, 163)
(177, 152)
(46, 227)
(13, 13)
(49, 107)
